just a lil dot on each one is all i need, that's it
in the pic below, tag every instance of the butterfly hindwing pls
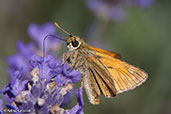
(102, 77)
(91, 88)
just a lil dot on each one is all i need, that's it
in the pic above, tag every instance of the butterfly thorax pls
(76, 56)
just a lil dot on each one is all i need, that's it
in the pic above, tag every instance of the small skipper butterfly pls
(103, 72)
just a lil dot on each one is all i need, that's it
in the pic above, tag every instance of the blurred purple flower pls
(15, 86)
(113, 9)
(39, 32)
(78, 109)
(1, 106)
(21, 59)
(144, 3)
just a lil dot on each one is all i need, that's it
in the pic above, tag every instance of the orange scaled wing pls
(124, 75)
(115, 55)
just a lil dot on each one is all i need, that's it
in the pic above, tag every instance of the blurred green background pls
(143, 40)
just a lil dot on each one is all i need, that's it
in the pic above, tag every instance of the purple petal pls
(79, 93)
(25, 50)
(68, 97)
(93, 4)
(114, 9)
(118, 14)
(39, 32)
(15, 86)
(35, 61)
(43, 109)
(144, 3)
(74, 75)
(50, 67)
(21, 60)
(78, 109)
(1, 106)
(61, 80)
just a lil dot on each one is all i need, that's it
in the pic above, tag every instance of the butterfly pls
(103, 72)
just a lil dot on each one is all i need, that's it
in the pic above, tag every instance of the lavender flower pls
(144, 3)
(1, 106)
(21, 59)
(78, 108)
(43, 93)
(39, 84)
(51, 68)
(113, 9)
(38, 33)
(15, 86)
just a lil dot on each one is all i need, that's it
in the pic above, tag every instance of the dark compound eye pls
(75, 43)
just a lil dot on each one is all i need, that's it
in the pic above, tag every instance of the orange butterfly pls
(102, 71)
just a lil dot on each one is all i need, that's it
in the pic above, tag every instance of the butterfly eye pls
(75, 43)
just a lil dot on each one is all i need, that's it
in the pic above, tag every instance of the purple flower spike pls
(78, 109)
(21, 59)
(74, 75)
(25, 50)
(66, 76)
(1, 107)
(107, 10)
(43, 64)
(113, 9)
(144, 3)
(37, 96)
(79, 96)
(39, 32)
(68, 97)
(15, 86)
(51, 67)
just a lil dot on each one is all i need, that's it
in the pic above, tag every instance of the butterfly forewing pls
(125, 76)
(115, 55)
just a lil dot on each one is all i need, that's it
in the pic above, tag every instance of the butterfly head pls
(74, 42)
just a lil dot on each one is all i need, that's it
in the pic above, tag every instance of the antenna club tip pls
(61, 28)
(56, 24)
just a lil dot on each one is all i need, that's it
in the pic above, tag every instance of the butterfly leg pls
(82, 81)
(65, 57)
(75, 66)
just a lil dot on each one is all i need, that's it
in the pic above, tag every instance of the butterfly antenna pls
(47, 36)
(62, 29)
